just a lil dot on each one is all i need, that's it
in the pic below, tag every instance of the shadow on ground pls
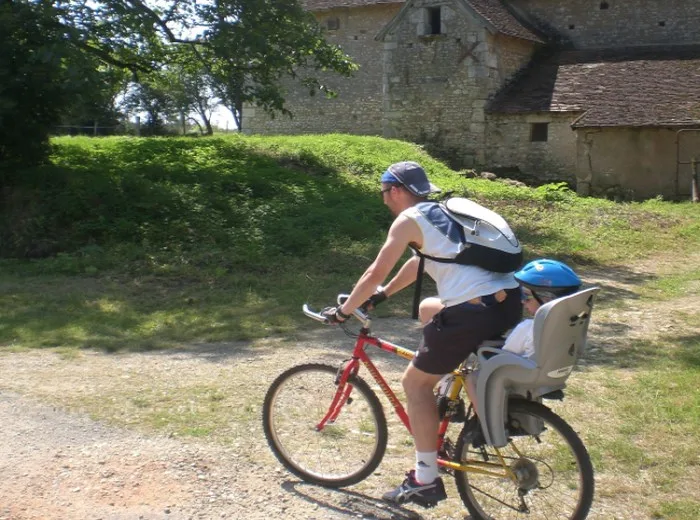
(349, 503)
(616, 282)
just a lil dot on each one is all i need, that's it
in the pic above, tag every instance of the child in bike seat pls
(541, 281)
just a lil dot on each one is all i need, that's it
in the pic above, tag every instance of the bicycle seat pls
(560, 330)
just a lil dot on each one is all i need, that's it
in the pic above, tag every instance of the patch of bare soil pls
(58, 463)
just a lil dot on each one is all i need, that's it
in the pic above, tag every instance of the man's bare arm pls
(405, 277)
(403, 232)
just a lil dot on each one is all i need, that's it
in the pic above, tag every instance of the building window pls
(572, 27)
(333, 24)
(604, 5)
(662, 24)
(434, 25)
(539, 132)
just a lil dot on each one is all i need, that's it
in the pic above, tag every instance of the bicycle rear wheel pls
(554, 471)
(345, 451)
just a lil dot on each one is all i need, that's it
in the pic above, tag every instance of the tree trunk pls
(202, 111)
(236, 112)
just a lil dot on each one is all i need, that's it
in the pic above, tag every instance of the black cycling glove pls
(334, 315)
(374, 300)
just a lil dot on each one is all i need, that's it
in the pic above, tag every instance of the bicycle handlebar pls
(358, 313)
(314, 315)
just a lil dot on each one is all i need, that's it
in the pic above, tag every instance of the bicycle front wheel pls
(554, 474)
(346, 450)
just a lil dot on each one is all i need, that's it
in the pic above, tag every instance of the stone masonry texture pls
(473, 88)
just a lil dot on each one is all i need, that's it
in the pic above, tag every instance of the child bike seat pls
(560, 330)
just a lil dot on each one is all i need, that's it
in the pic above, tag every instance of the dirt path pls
(58, 463)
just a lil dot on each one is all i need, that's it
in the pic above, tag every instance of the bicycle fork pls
(342, 394)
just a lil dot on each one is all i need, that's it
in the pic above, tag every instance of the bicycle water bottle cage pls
(560, 331)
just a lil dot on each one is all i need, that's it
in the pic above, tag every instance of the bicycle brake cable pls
(347, 331)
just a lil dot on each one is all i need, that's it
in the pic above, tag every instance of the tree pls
(151, 96)
(245, 47)
(94, 100)
(254, 44)
(33, 82)
(189, 83)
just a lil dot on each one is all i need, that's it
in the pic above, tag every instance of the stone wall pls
(622, 23)
(641, 162)
(510, 145)
(437, 86)
(358, 106)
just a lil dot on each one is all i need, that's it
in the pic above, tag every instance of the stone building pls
(604, 94)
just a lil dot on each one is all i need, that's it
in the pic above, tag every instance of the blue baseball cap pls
(411, 176)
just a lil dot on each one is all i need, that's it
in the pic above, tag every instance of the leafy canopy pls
(244, 46)
(241, 47)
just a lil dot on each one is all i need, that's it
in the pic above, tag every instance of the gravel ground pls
(61, 466)
(58, 463)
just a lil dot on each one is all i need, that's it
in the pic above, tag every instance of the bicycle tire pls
(346, 451)
(543, 484)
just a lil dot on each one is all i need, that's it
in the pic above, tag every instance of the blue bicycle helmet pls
(548, 279)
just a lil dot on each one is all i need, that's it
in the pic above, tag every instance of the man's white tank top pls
(455, 283)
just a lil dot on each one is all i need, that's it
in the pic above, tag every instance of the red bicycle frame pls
(352, 367)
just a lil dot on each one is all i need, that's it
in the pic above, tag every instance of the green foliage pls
(255, 198)
(280, 39)
(32, 84)
(224, 237)
(93, 99)
(558, 191)
(65, 61)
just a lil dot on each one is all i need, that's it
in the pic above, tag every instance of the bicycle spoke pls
(553, 475)
(344, 450)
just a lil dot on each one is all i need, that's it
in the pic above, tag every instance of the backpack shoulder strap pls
(440, 218)
(419, 284)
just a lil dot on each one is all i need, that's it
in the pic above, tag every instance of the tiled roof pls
(502, 20)
(324, 5)
(493, 11)
(623, 87)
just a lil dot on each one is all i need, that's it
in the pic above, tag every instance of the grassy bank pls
(143, 243)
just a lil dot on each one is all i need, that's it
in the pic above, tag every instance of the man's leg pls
(422, 485)
(423, 414)
(429, 308)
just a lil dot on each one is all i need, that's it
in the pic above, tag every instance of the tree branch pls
(163, 24)
(108, 58)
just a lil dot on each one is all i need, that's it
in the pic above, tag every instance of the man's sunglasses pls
(382, 192)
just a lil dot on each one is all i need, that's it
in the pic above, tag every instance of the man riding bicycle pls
(473, 305)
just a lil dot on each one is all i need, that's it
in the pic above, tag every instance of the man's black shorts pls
(456, 331)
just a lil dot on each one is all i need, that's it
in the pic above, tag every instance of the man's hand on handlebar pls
(334, 315)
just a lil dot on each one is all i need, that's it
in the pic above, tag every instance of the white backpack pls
(485, 237)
